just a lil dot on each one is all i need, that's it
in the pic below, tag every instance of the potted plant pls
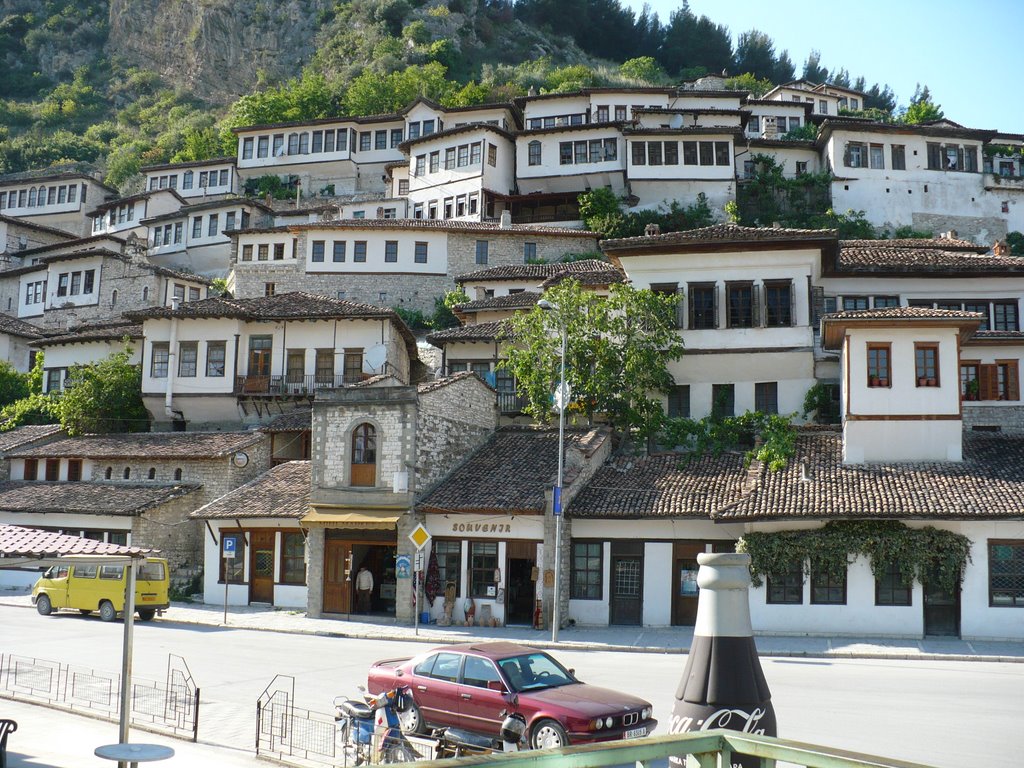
(973, 389)
(883, 382)
(922, 381)
(873, 381)
(933, 382)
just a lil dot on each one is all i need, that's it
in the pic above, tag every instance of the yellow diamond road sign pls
(420, 536)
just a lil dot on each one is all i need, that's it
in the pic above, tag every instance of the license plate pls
(633, 733)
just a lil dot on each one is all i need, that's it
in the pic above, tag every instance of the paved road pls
(941, 713)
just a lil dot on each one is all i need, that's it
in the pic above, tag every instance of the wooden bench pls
(6, 727)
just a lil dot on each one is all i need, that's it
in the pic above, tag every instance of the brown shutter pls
(846, 154)
(755, 305)
(817, 304)
(716, 306)
(792, 303)
(988, 382)
(1012, 380)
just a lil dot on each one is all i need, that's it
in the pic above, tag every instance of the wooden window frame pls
(732, 285)
(873, 346)
(285, 558)
(888, 584)
(585, 590)
(921, 370)
(443, 556)
(1016, 594)
(833, 592)
(1011, 380)
(792, 584)
(481, 577)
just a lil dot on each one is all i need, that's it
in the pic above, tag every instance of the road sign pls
(230, 542)
(420, 536)
(556, 501)
(563, 393)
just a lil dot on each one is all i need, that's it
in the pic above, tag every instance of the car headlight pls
(597, 725)
(608, 722)
(646, 713)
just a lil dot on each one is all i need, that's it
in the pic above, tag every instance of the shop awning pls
(327, 516)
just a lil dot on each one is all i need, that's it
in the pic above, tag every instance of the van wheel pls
(146, 614)
(43, 605)
(85, 611)
(107, 612)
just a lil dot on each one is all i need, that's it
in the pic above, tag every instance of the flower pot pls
(883, 382)
(922, 381)
(933, 382)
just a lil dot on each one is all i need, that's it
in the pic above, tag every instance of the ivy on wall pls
(919, 553)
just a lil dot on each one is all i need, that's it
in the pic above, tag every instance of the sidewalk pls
(633, 639)
(52, 738)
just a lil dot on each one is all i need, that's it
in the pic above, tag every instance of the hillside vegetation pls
(125, 83)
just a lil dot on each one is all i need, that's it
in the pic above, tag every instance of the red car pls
(471, 686)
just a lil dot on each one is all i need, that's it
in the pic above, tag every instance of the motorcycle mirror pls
(399, 673)
(361, 688)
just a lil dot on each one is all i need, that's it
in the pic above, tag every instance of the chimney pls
(506, 219)
(1001, 248)
(951, 235)
(532, 91)
(776, 225)
(652, 230)
(771, 130)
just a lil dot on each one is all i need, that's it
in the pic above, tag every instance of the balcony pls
(289, 385)
(510, 403)
(993, 181)
(708, 749)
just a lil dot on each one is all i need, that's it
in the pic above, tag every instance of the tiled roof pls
(594, 279)
(509, 301)
(29, 433)
(299, 420)
(895, 313)
(297, 305)
(537, 272)
(280, 492)
(15, 327)
(23, 224)
(663, 485)
(446, 225)
(883, 256)
(16, 540)
(721, 233)
(228, 159)
(941, 243)
(93, 332)
(987, 484)
(154, 445)
(447, 132)
(479, 332)
(509, 473)
(435, 384)
(87, 498)
(994, 335)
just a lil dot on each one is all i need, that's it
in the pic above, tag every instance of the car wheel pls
(410, 720)
(147, 614)
(547, 734)
(85, 611)
(44, 606)
(107, 612)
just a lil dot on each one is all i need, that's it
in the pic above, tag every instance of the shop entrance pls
(261, 566)
(941, 607)
(521, 562)
(684, 577)
(627, 583)
(344, 557)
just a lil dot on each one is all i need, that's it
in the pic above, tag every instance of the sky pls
(971, 55)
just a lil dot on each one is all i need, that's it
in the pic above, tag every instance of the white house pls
(125, 215)
(823, 101)
(15, 338)
(59, 200)
(201, 178)
(85, 345)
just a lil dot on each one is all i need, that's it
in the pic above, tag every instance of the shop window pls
(587, 570)
(293, 558)
(483, 561)
(1006, 574)
(787, 588)
(826, 588)
(449, 563)
(892, 588)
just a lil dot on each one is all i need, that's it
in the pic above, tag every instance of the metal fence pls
(171, 705)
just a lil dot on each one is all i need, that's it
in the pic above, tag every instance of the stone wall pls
(504, 248)
(1009, 418)
(180, 540)
(315, 572)
(983, 230)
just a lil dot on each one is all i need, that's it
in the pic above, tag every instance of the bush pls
(1016, 242)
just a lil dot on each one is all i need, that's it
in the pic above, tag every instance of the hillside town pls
(294, 412)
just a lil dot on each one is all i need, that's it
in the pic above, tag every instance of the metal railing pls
(171, 705)
(708, 749)
(290, 384)
(287, 732)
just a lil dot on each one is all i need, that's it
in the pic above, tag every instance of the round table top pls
(135, 753)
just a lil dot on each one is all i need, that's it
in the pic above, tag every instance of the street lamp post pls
(561, 401)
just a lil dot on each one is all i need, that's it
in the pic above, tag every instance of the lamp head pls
(546, 305)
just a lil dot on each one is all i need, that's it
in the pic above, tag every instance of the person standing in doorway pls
(364, 588)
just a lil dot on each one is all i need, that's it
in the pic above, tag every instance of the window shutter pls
(988, 382)
(817, 304)
(846, 154)
(960, 158)
(689, 315)
(755, 306)
(715, 324)
(681, 307)
(1012, 381)
(792, 303)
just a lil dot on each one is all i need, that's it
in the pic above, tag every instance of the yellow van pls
(94, 587)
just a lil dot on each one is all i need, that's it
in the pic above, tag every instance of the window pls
(827, 588)
(353, 365)
(74, 470)
(318, 251)
(403, 187)
(740, 310)
(31, 469)
(926, 364)
(54, 379)
(883, 302)
(293, 146)
(62, 284)
(481, 251)
(449, 563)
(52, 470)
(293, 558)
(707, 152)
(197, 227)
(1005, 314)
(483, 560)
(262, 146)
(620, 112)
(365, 139)
(766, 397)
(602, 114)
(778, 304)
(1007, 380)
(855, 155)
(474, 158)
(359, 251)
(421, 165)
(654, 153)
(396, 137)
(152, 473)
(421, 253)
(878, 365)
(159, 360)
(529, 252)
(876, 156)
(364, 455)
(703, 306)
(671, 153)
(722, 154)
(229, 220)
(639, 152)
(435, 161)
(247, 253)
(462, 155)
(215, 357)
(338, 251)
(232, 570)
(492, 155)
(679, 401)
(391, 251)
(211, 230)
(295, 366)
(892, 588)
(1005, 574)
(76, 283)
(587, 570)
(788, 587)
(854, 303)
(269, 289)
(189, 356)
(899, 157)
(723, 400)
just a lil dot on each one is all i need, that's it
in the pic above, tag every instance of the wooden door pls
(627, 589)
(684, 582)
(364, 455)
(261, 566)
(941, 608)
(337, 586)
(258, 375)
(520, 588)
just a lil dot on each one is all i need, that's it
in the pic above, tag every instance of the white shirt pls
(364, 580)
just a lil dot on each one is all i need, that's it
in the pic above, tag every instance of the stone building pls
(18, 235)
(16, 337)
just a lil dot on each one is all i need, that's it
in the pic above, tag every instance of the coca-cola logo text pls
(733, 719)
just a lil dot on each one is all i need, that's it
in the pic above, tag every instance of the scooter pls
(458, 742)
(370, 731)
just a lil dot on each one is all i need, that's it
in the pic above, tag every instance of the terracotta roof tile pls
(93, 332)
(885, 256)
(721, 233)
(895, 313)
(29, 433)
(18, 541)
(299, 420)
(479, 332)
(447, 225)
(538, 272)
(156, 445)
(430, 386)
(940, 243)
(281, 492)
(15, 327)
(87, 498)
(519, 300)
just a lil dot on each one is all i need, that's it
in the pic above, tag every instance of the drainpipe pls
(172, 346)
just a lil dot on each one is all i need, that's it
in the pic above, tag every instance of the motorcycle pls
(458, 742)
(369, 730)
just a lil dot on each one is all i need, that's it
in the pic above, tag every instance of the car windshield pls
(534, 671)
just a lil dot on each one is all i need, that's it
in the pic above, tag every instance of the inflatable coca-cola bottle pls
(723, 685)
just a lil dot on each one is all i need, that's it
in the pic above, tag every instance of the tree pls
(645, 69)
(690, 43)
(784, 69)
(750, 83)
(617, 351)
(755, 53)
(813, 70)
(922, 108)
(13, 385)
(103, 397)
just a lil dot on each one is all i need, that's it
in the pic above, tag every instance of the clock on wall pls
(240, 459)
